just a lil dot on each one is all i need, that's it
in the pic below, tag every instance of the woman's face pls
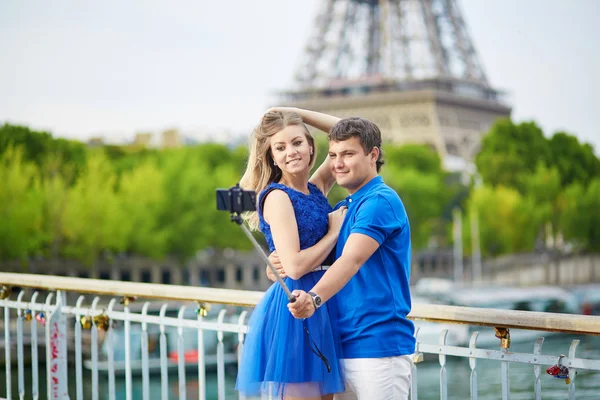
(291, 149)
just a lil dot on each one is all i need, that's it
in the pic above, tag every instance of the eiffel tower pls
(407, 65)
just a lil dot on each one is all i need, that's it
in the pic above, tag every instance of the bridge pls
(28, 313)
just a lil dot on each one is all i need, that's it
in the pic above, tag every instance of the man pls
(371, 271)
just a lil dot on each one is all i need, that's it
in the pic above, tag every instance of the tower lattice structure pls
(408, 65)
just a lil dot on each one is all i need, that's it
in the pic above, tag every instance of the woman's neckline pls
(296, 190)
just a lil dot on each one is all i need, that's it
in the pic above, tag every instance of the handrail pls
(567, 323)
(130, 289)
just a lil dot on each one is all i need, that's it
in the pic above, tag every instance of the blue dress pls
(278, 357)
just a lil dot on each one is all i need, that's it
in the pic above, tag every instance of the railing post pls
(202, 311)
(417, 358)
(537, 369)
(78, 355)
(56, 349)
(572, 371)
(181, 354)
(20, 355)
(35, 388)
(504, 335)
(240, 349)
(144, 346)
(94, 349)
(128, 390)
(112, 394)
(220, 357)
(443, 378)
(5, 294)
(473, 365)
(164, 378)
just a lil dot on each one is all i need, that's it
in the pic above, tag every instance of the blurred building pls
(96, 141)
(143, 140)
(171, 138)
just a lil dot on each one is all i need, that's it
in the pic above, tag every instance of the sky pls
(81, 69)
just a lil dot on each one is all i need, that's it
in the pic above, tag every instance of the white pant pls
(376, 378)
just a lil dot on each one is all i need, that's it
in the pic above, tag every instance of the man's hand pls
(274, 258)
(303, 307)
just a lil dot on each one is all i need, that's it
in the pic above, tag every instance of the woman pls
(285, 357)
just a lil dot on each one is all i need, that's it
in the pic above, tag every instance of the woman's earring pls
(311, 152)
(274, 163)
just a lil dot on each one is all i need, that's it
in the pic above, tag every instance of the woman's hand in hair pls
(281, 109)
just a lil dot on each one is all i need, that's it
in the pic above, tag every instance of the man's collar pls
(365, 189)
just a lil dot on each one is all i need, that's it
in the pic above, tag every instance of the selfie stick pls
(237, 218)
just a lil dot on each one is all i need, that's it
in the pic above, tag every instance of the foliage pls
(509, 150)
(68, 156)
(94, 221)
(21, 200)
(580, 220)
(422, 196)
(552, 175)
(421, 158)
(59, 198)
(576, 162)
(506, 220)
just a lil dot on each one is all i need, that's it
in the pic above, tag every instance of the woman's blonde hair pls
(261, 169)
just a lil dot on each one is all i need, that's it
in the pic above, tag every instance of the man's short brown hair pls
(367, 132)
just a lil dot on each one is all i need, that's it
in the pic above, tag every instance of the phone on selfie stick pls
(236, 200)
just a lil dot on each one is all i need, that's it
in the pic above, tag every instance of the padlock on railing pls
(504, 335)
(126, 300)
(86, 322)
(27, 315)
(41, 318)
(559, 371)
(102, 322)
(5, 292)
(203, 309)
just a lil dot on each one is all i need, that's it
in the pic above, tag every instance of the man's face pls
(349, 164)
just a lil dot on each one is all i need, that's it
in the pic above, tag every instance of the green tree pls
(506, 220)
(510, 150)
(543, 188)
(94, 219)
(40, 146)
(21, 202)
(189, 213)
(141, 196)
(419, 157)
(575, 161)
(55, 192)
(422, 195)
(580, 221)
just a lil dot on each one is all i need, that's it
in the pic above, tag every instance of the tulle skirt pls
(279, 357)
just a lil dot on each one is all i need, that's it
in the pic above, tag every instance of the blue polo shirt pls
(374, 303)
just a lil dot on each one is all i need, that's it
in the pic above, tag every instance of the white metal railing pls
(94, 323)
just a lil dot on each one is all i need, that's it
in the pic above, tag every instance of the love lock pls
(102, 322)
(86, 322)
(126, 300)
(41, 318)
(203, 309)
(504, 335)
(5, 292)
(559, 371)
(28, 315)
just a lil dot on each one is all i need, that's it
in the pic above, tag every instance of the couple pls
(355, 345)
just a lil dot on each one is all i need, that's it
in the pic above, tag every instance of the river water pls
(458, 373)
